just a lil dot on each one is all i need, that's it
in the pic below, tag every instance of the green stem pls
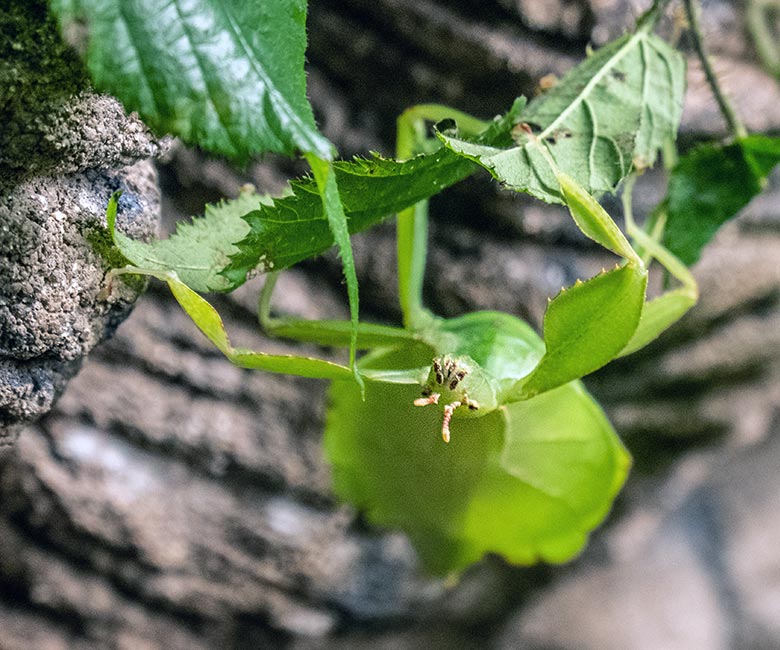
(758, 15)
(325, 332)
(264, 302)
(650, 244)
(736, 127)
(412, 223)
(649, 19)
(412, 246)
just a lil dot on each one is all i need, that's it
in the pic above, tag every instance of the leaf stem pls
(412, 223)
(650, 243)
(325, 177)
(264, 302)
(758, 15)
(738, 130)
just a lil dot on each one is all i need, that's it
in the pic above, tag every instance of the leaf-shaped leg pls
(660, 313)
(585, 327)
(326, 332)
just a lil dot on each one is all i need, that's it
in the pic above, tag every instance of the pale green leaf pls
(617, 108)
(199, 249)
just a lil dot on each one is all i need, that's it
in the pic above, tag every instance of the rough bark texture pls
(63, 151)
(172, 501)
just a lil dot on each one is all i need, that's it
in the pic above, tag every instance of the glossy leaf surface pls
(709, 186)
(226, 75)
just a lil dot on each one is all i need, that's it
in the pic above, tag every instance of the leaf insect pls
(533, 464)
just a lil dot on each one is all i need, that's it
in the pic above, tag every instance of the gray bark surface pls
(63, 151)
(172, 501)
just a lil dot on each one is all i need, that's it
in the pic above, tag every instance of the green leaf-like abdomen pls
(528, 481)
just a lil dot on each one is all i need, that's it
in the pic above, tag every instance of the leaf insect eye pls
(446, 375)
(437, 369)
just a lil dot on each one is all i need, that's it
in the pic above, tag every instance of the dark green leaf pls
(295, 227)
(226, 75)
(709, 186)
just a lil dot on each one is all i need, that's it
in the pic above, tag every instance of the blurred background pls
(172, 501)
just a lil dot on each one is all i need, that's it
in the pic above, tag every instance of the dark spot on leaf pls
(560, 134)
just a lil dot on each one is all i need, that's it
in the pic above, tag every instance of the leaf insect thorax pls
(461, 386)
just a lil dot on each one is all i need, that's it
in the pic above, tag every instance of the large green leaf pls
(709, 186)
(615, 109)
(295, 227)
(226, 75)
(527, 482)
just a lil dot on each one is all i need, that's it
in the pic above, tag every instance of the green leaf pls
(295, 227)
(616, 108)
(527, 482)
(255, 233)
(198, 250)
(585, 327)
(226, 75)
(709, 186)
